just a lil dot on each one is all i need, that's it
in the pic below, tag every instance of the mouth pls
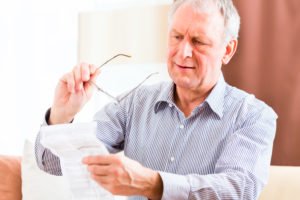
(184, 66)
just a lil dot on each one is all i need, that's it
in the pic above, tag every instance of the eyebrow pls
(197, 37)
(175, 31)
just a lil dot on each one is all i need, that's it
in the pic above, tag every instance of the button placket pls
(172, 159)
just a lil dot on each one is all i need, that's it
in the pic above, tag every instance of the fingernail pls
(80, 87)
(87, 77)
(71, 89)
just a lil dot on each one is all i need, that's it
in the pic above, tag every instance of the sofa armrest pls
(10, 178)
(284, 183)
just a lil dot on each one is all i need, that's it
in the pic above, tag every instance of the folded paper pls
(72, 142)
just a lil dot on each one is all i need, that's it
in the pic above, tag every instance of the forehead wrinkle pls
(191, 28)
(186, 30)
(193, 15)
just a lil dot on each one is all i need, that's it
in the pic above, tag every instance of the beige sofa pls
(21, 179)
(10, 178)
(284, 182)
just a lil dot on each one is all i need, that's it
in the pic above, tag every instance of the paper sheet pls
(72, 142)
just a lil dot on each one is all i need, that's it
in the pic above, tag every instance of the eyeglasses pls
(120, 98)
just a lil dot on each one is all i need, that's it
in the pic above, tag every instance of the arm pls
(241, 170)
(45, 160)
(73, 91)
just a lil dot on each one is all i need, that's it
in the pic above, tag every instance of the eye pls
(198, 42)
(177, 37)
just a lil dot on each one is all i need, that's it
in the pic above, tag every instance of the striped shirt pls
(221, 151)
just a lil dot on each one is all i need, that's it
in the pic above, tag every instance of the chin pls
(184, 82)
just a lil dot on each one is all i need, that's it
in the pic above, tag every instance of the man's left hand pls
(123, 176)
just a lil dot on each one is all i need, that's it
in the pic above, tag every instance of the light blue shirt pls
(221, 151)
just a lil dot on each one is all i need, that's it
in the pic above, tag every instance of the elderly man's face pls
(196, 48)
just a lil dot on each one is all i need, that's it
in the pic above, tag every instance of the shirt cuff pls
(46, 118)
(175, 186)
(44, 155)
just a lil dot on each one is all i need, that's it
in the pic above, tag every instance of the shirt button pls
(172, 159)
(181, 126)
(170, 105)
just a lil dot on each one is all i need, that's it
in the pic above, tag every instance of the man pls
(194, 138)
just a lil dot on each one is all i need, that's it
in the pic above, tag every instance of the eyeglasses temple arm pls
(132, 90)
(103, 91)
(121, 54)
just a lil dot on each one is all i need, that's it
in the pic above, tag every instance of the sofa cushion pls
(10, 178)
(37, 184)
(284, 184)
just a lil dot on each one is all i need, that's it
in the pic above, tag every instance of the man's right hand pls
(72, 92)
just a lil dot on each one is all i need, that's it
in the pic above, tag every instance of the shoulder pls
(152, 92)
(246, 105)
(155, 88)
(146, 96)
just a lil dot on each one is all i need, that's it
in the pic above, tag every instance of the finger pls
(94, 72)
(102, 179)
(77, 77)
(93, 160)
(68, 79)
(85, 72)
(88, 87)
(102, 160)
(93, 68)
(106, 183)
(99, 170)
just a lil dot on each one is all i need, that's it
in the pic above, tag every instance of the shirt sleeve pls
(45, 159)
(240, 172)
(111, 125)
(110, 130)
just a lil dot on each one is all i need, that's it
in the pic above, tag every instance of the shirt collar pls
(166, 97)
(215, 99)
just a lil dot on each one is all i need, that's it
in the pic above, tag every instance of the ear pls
(229, 51)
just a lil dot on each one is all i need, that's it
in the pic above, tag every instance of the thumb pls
(91, 84)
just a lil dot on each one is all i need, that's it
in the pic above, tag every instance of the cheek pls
(172, 49)
(171, 52)
(201, 60)
(207, 59)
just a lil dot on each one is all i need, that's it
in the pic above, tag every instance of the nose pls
(187, 50)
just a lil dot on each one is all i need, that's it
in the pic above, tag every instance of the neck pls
(188, 100)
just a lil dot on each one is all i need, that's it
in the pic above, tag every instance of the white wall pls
(38, 43)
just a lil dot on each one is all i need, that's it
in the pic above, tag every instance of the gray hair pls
(226, 8)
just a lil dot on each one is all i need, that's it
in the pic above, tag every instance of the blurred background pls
(39, 42)
(267, 64)
(41, 39)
